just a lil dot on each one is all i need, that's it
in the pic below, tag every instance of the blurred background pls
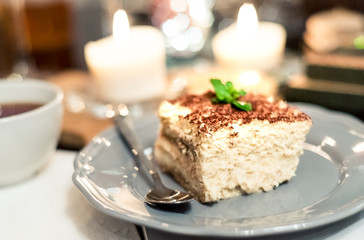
(323, 60)
(51, 34)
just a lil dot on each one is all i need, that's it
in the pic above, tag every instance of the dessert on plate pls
(224, 143)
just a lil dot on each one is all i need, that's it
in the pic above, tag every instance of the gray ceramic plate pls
(328, 185)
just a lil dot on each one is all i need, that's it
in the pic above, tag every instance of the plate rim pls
(348, 210)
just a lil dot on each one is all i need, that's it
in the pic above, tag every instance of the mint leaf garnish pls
(227, 93)
(359, 42)
(245, 106)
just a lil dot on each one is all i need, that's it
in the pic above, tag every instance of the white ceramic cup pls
(28, 140)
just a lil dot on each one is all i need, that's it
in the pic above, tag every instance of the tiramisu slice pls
(217, 151)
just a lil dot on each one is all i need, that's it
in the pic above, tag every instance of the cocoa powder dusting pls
(209, 117)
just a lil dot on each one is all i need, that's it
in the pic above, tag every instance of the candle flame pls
(249, 78)
(247, 23)
(121, 29)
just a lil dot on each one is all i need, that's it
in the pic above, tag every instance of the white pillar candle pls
(249, 44)
(129, 66)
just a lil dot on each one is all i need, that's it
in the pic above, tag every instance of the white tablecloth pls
(49, 206)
